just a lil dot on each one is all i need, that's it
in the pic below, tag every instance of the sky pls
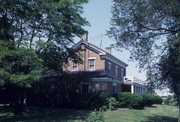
(98, 13)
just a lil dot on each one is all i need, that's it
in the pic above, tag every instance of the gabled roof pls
(101, 52)
(90, 46)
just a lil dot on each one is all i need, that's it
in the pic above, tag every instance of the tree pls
(36, 37)
(19, 67)
(170, 67)
(52, 23)
(150, 82)
(147, 28)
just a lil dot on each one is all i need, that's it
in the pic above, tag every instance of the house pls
(134, 85)
(106, 71)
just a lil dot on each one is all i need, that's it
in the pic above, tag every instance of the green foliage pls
(111, 104)
(170, 67)
(171, 101)
(137, 25)
(137, 100)
(46, 26)
(95, 116)
(65, 92)
(96, 100)
(19, 66)
(149, 29)
(149, 99)
(36, 38)
(158, 100)
(35, 20)
(129, 100)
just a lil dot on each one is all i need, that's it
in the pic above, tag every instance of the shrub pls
(95, 116)
(148, 99)
(54, 92)
(93, 100)
(171, 101)
(129, 100)
(157, 100)
(111, 103)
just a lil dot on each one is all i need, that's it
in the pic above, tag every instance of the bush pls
(111, 103)
(94, 100)
(95, 116)
(129, 100)
(148, 99)
(54, 92)
(171, 101)
(157, 100)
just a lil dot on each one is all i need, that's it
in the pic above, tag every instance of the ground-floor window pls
(114, 88)
(85, 88)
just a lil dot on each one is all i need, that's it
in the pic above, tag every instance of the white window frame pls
(92, 58)
(74, 68)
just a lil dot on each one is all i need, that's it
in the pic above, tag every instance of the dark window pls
(74, 65)
(91, 63)
(85, 88)
(109, 66)
(114, 89)
(116, 71)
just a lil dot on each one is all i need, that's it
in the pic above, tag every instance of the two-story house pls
(106, 71)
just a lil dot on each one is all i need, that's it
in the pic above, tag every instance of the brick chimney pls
(85, 36)
(108, 49)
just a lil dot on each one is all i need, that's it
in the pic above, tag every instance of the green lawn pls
(157, 113)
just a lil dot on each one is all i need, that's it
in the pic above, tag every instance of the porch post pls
(132, 88)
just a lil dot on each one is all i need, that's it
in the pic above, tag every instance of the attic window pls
(74, 65)
(91, 63)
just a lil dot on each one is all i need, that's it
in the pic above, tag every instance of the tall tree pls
(35, 33)
(148, 28)
(19, 67)
(54, 22)
(170, 68)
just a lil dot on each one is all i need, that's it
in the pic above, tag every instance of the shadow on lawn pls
(46, 115)
(161, 119)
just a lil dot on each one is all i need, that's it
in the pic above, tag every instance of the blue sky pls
(98, 13)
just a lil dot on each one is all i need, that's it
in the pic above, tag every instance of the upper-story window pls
(74, 65)
(109, 66)
(91, 63)
(122, 73)
(116, 71)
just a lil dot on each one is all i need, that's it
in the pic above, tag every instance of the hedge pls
(135, 101)
(129, 100)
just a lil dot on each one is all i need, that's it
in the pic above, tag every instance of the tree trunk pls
(18, 108)
(19, 104)
(179, 107)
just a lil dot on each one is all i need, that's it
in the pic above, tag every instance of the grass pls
(157, 113)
